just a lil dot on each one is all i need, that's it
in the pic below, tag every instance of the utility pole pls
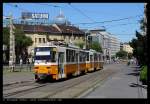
(12, 45)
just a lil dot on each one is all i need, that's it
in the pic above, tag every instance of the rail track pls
(55, 89)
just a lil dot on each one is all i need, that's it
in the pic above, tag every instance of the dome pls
(60, 19)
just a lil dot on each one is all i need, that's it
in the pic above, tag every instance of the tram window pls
(99, 57)
(67, 55)
(91, 57)
(53, 56)
(70, 55)
(87, 56)
(80, 57)
(95, 57)
(73, 56)
(84, 56)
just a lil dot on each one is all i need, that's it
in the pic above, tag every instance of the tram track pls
(21, 88)
(76, 85)
(61, 86)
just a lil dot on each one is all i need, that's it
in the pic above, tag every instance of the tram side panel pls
(71, 62)
(82, 61)
(91, 62)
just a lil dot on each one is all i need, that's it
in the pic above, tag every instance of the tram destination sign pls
(30, 15)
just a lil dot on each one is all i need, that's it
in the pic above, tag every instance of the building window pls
(43, 40)
(39, 40)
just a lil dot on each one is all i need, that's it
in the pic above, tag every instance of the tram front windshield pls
(46, 54)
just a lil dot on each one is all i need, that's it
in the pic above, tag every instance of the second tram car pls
(57, 62)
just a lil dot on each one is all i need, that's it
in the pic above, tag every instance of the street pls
(123, 84)
(114, 81)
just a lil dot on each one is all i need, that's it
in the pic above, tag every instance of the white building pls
(114, 45)
(109, 43)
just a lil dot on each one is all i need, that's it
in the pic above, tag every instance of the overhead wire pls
(112, 20)
(77, 9)
(16, 6)
(83, 14)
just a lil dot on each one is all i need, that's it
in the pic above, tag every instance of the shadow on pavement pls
(136, 70)
(134, 74)
(134, 66)
(137, 85)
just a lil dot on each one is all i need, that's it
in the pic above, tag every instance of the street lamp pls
(86, 38)
(12, 44)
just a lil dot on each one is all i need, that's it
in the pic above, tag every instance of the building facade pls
(41, 34)
(110, 44)
(114, 45)
(126, 47)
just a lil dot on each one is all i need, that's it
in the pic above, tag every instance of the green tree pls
(79, 45)
(96, 46)
(139, 45)
(121, 54)
(21, 42)
(130, 55)
(6, 36)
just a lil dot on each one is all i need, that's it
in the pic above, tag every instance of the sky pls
(128, 15)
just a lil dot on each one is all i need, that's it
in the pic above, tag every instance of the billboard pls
(30, 15)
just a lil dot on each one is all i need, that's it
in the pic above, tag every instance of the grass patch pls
(143, 74)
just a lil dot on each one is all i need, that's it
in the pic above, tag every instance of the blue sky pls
(97, 12)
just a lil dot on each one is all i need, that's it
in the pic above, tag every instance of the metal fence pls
(18, 67)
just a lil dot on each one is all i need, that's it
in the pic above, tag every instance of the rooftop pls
(50, 29)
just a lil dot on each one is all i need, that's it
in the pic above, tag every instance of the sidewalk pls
(14, 77)
(124, 84)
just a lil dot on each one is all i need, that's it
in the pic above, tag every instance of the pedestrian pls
(20, 64)
(128, 63)
(30, 63)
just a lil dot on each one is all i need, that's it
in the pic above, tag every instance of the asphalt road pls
(123, 84)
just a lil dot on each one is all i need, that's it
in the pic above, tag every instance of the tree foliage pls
(21, 42)
(139, 46)
(79, 43)
(121, 54)
(96, 46)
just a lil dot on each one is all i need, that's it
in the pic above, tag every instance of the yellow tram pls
(57, 62)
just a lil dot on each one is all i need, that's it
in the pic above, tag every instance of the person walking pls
(30, 63)
(21, 62)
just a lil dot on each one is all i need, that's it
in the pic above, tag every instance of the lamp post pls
(86, 39)
(12, 56)
(89, 40)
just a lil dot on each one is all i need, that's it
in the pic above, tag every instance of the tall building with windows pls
(114, 45)
(109, 43)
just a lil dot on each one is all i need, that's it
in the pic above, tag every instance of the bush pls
(143, 74)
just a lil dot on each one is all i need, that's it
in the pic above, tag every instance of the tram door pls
(61, 64)
(77, 61)
(92, 61)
